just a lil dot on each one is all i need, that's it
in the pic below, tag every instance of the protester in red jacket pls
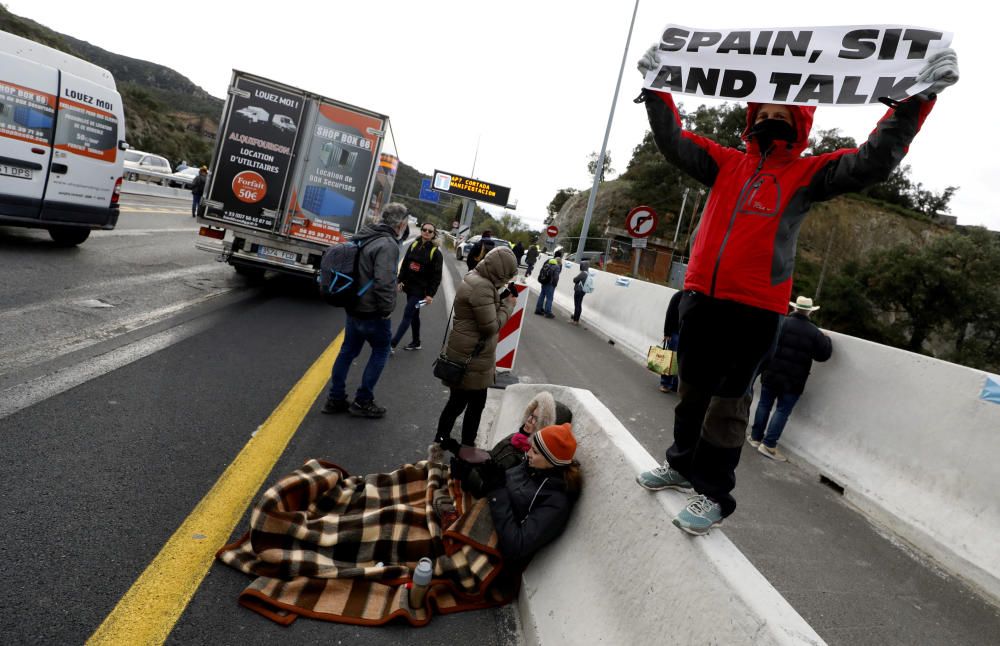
(739, 278)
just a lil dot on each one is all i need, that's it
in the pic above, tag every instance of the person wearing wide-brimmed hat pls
(784, 377)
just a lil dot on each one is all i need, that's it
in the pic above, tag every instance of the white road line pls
(52, 348)
(95, 290)
(144, 232)
(37, 390)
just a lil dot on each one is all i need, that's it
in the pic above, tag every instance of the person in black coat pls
(532, 505)
(198, 189)
(785, 373)
(419, 278)
(518, 252)
(531, 258)
(479, 250)
(671, 333)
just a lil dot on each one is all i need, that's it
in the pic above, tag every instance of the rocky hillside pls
(165, 112)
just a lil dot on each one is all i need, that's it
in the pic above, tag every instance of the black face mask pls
(768, 131)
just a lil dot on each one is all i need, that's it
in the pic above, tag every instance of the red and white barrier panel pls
(510, 333)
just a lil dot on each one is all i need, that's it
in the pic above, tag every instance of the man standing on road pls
(531, 258)
(198, 188)
(369, 319)
(518, 253)
(548, 278)
(480, 249)
(785, 374)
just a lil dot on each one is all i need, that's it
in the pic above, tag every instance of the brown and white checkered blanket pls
(325, 545)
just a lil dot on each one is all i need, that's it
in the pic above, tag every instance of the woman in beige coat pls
(479, 315)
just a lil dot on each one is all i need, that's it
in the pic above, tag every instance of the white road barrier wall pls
(153, 190)
(905, 435)
(622, 573)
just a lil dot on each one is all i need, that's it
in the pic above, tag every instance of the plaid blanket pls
(325, 545)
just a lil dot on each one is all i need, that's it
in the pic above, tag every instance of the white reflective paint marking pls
(37, 390)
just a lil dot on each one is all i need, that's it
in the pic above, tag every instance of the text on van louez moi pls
(851, 65)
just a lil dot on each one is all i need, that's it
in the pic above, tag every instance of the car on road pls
(462, 250)
(183, 178)
(142, 166)
(595, 258)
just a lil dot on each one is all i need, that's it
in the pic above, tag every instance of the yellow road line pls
(148, 611)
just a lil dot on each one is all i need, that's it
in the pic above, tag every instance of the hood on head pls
(802, 115)
(544, 407)
(498, 267)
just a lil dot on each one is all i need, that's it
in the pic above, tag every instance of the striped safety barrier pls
(510, 333)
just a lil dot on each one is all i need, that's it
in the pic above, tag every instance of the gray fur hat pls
(544, 408)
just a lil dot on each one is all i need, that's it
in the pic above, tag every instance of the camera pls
(510, 289)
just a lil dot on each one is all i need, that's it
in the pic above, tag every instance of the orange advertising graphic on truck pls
(293, 172)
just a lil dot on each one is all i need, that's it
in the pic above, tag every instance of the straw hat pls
(804, 304)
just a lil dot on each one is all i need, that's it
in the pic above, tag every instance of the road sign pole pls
(581, 246)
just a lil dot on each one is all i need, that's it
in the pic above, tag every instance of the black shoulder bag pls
(449, 371)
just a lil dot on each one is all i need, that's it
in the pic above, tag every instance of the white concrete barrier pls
(153, 190)
(905, 435)
(622, 573)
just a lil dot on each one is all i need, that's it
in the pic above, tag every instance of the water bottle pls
(421, 580)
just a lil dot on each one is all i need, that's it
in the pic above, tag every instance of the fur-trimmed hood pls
(544, 406)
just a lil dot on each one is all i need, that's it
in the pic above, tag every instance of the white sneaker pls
(774, 453)
(754, 443)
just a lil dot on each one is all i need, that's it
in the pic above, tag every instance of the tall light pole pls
(604, 146)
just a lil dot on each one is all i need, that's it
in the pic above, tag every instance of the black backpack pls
(338, 274)
(545, 275)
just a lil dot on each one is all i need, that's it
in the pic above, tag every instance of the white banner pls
(853, 65)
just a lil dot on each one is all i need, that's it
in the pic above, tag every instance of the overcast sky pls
(530, 83)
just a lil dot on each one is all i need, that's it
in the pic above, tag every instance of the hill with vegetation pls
(165, 113)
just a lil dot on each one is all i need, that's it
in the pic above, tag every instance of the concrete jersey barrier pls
(621, 573)
(905, 435)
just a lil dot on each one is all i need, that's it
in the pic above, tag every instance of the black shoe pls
(366, 409)
(540, 313)
(334, 406)
(449, 444)
(413, 346)
(550, 316)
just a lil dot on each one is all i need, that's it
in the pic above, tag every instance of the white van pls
(62, 133)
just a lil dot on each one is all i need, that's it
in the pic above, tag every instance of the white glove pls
(941, 71)
(649, 61)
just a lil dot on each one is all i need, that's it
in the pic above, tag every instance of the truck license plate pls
(15, 171)
(268, 252)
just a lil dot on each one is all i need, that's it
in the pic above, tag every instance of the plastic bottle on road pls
(421, 580)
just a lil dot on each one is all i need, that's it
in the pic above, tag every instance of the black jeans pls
(577, 305)
(472, 402)
(720, 348)
(411, 318)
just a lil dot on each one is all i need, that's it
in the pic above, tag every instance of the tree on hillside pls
(562, 196)
(592, 165)
(722, 124)
(829, 141)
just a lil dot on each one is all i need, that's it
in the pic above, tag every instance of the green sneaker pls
(700, 515)
(662, 477)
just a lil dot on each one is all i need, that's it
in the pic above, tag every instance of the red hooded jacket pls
(744, 248)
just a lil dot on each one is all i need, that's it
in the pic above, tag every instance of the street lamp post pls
(604, 146)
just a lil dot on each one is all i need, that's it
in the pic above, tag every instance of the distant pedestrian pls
(581, 283)
(671, 333)
(531, 257)
(368, 320)
(784, 377)
(181, 166)
(480, 312)
(518, 253)
(480, 249)
(198, 189)
(548, 278)
(419, 277)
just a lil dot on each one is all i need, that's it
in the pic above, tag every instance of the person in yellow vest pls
(419, 278)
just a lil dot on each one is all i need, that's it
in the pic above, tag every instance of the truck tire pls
(68, 236)
(251, 273)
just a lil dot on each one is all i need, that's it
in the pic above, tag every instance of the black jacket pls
(518, 252)
(379, 257)
(529, 511)
(478, 252)
(532, 254)
(198, 185)
(799, 344)
(420, 272)
(672, 322)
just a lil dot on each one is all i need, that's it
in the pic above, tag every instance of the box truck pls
(62, 137)
(280, 195)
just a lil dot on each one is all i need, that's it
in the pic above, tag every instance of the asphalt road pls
(134, 369)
